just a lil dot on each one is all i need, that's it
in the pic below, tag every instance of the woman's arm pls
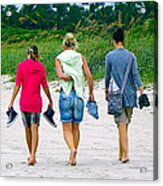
(107, 72)
(14, 94)
(88, 75)
(107, 76)
(17, 86)
(136, 75)
(60, 73)
(47, 92)
(46, 88)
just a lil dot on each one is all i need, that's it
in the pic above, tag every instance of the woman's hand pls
(50, 105)
(60, 73)
(106, 96)
(91, 97)
(10, 106)
(141, 89)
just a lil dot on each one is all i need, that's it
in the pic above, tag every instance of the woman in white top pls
(71, 67)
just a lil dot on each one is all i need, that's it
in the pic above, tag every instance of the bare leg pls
(76, 134)
(35, 137)
(28, 135)
(120, 149)
(76, 137)
(68, 136)
(123, 136)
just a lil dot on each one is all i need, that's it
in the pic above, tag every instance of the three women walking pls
(72, 68)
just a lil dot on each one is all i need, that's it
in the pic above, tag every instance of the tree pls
(26, 16)
(60, 14)
(10, 16)
(74, 15)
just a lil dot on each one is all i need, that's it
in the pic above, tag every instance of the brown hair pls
(33, 53)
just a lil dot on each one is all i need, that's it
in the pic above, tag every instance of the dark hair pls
(118, 35)
(33, 53)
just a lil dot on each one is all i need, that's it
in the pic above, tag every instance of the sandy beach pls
(97, 155)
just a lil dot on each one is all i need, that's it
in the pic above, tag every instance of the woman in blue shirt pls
(116, 63)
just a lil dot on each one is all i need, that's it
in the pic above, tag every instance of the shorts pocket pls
(79, 103)
(78, 109)
(64, 102)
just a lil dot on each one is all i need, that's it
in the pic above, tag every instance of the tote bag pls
(115, 97)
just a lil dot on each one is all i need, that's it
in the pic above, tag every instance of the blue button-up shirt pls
(116, 63)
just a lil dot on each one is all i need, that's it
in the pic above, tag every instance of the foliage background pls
(93, 25)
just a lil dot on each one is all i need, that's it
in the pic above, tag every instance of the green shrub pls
(139, 40)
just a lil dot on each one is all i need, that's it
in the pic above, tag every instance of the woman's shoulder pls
(110, 54)
(132, 54)
(41, 65)
(68, 53)
(22, 63)
(76, 52)
(115, 51)
(38, 65)
(60, 55)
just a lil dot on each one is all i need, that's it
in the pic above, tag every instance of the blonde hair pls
(69, 41)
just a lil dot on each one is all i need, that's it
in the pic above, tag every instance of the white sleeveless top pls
(72, 65)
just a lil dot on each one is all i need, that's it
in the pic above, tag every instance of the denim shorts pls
(30, 118)
(71, 107)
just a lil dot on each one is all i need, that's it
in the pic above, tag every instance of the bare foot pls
(125, 160)
(120, 157)
(28, 159)
(72, 160)
(31, 161)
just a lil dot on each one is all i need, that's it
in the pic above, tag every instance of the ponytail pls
(69, 41)
(33, 53)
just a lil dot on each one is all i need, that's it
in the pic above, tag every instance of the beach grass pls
(94, 46)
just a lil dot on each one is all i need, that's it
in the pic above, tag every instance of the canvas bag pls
(115, 97)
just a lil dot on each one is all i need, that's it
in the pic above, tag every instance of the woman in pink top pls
(30, 76)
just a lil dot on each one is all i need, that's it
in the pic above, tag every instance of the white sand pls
(97, 155)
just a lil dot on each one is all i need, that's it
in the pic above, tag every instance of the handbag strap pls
(126, 73)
